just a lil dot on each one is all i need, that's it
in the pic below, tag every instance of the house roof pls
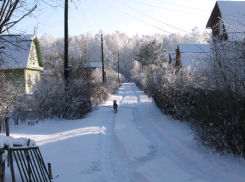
(169, 54)
(193, 55)
(15, 54)
(231, 12)
(93, 65)
(53, 62)
(172, 54)
(197, 60)
(194, 48)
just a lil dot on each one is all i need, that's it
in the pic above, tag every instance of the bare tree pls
(13, 11)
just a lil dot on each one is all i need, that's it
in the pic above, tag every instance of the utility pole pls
(66, 44)
(103, 77)
(118, 68)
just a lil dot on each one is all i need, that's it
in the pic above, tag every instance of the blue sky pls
(107, 15)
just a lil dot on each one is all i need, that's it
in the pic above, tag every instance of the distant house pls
(227, 20)
(22, 60)
(88, 68)
(92, 65)
(188, 55)
(52, 69)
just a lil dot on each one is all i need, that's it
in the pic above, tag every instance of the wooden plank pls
(2, 166)
(3, 169)
(29, 166)
(40, 164)
(18, 165)
(11, 165)
(22, 160)
(35, 164)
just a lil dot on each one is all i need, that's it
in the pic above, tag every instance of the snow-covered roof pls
(169, 54)
(193, 60)
(194, 48)
(51, 61)
(15, 54)
(172, 54)
(232, 14)
(93, 65)
(193, 55)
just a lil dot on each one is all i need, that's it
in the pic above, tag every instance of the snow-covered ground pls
(136, 144)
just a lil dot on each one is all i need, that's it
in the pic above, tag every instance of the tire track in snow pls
(115, 161)
(118, 150)
(181, 156)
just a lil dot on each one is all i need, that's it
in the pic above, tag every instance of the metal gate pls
(30, 164)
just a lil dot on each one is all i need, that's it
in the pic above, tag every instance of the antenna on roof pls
(35, 29)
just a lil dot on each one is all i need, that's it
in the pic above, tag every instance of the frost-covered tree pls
(151, 53)
(8, 98)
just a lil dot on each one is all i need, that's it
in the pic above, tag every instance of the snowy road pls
(135, 144)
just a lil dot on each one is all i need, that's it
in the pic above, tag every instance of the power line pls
(86, 11)
(166, 8)
(192, 8)
(89, 20)
(183, 6)
(85, 25)
(136, 18)
(149, 24)
(86, 16)
(152, 18)
(47, 20)
(79, 17)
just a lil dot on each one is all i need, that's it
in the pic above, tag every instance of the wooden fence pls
(30, 164)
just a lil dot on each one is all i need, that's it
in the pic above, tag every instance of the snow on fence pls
(27, 157)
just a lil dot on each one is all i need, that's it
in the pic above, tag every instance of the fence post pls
(7, 125)
(10, 153)
(29, 165)
(49, 171)
(2, 166)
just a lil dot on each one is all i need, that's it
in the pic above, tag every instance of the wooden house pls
(189, 55)
(22, 60)
(227, 20)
